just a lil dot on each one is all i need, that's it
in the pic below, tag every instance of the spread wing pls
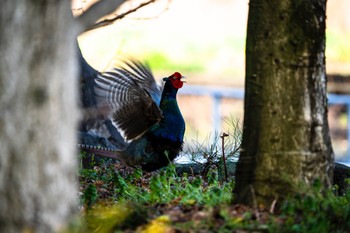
(133, 97)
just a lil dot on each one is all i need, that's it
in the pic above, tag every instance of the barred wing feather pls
(132, 96)
(143, 74)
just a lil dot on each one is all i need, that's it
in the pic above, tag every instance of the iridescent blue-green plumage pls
(172, 125)
(155, 130)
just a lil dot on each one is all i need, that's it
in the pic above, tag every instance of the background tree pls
(285, 135)
(38, 102)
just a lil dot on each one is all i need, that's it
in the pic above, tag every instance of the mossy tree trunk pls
(285, 136)
(38, 90)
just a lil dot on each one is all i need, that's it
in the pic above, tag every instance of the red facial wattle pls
(176, 80)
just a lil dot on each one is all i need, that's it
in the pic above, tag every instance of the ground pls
(115, 198)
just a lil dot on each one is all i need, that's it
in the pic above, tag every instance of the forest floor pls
(115, 198)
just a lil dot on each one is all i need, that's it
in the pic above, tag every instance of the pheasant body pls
(149, 118)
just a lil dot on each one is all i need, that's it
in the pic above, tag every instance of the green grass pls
(115, 198)
(315, 212)
(152, 188)
(109, 191)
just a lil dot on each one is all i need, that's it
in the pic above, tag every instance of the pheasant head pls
(175, 80)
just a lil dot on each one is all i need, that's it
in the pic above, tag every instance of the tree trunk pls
(38, 96)
(285, 135)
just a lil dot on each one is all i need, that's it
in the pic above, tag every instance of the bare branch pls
(98, 10)
(155, 16)
(109, 21)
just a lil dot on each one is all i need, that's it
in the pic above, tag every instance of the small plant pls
(223, 148)
(90, 195)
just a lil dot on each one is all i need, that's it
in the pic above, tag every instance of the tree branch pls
(96, 11)
(109, 21)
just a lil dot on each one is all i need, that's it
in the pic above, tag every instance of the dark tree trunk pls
(285, 135)
(38, 90)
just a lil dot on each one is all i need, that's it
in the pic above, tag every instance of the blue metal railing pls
(217, 93)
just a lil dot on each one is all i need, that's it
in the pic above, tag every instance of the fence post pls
(216, 116)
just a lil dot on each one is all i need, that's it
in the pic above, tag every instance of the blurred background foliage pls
(205, 41)
(204, 37)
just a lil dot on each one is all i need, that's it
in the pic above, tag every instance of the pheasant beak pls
(183, 77)
(167, 78)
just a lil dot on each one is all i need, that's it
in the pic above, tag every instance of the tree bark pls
(285, 134)
(38, 102)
